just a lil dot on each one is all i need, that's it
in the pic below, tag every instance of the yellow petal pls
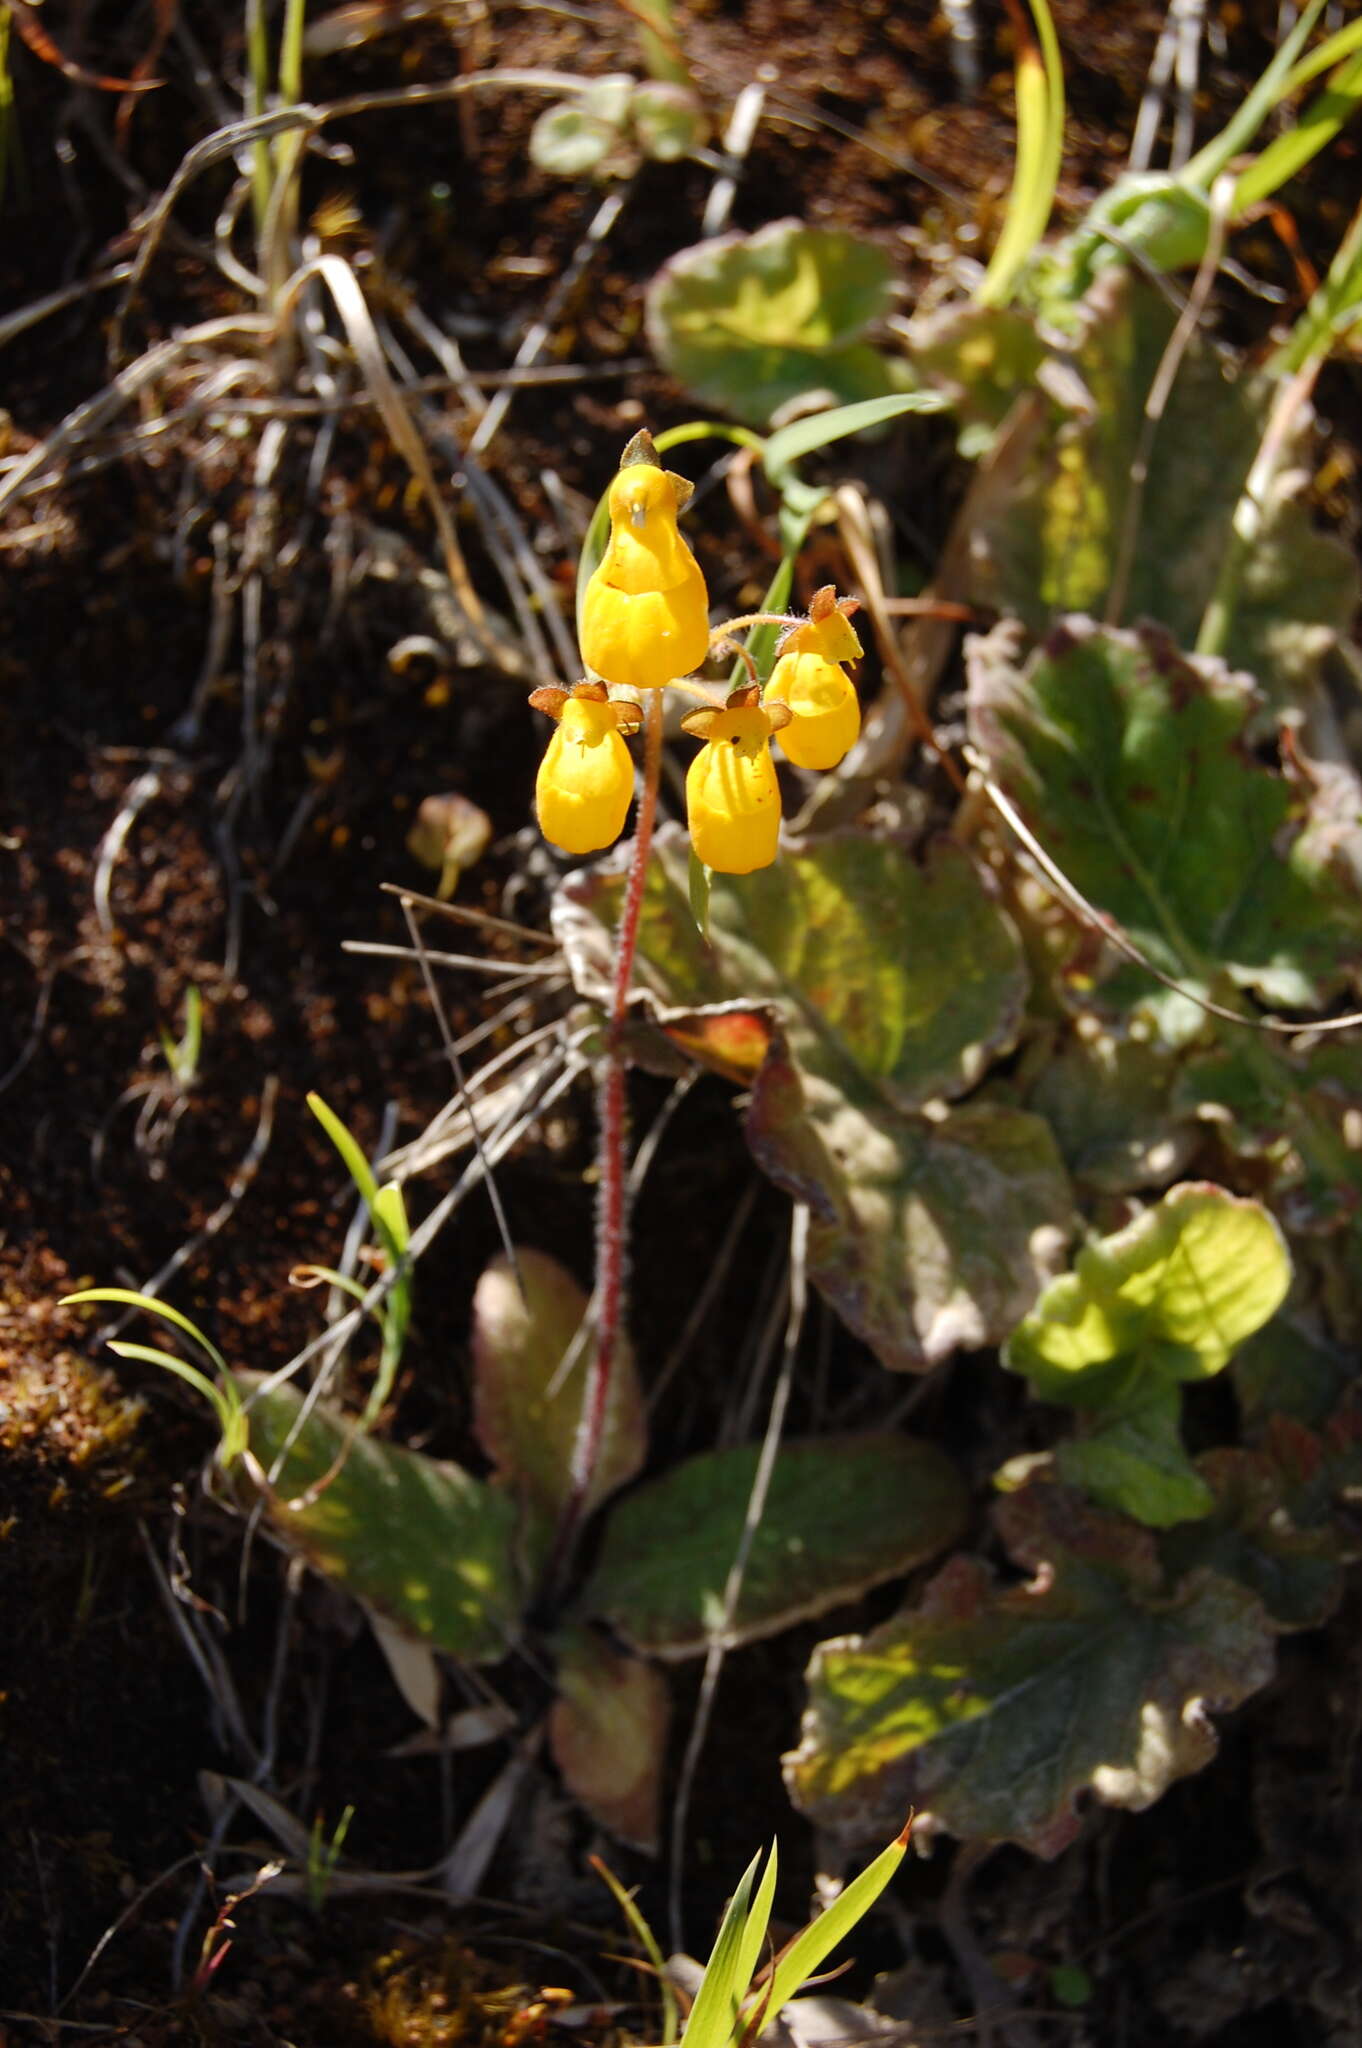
(834, 637)
(586, 779)
(732, 796)
(648, 637)
(826, 716)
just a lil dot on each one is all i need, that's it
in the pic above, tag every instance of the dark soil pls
(1230, 1915)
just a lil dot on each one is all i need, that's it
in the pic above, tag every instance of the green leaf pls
(893, 984)
(1133, 766)
(527, 1408)
(1289, 1368)
(713, 2021)
(1114, 1108)
(979, 358)
(1051, 541)
(802, 437)
(1289, 153)
(751, 322)
(568, 141)
(1183, 1286)
(1249, 1535)
(1134, 1460)
(801, 1958)
(926, 1234)
(992, 1709)
(417, 1538)
(608, 1735)
(668, 121)
(842, 1513)
(1167, 1299)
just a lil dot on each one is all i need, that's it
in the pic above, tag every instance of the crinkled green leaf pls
(415, 1537)
(1180, 1287)
(1113, 1107)
(841, 1514)
(1250, 1536)
(1167, 1299)
(1131, 764)
(750, 322)
(1053, 544)
(890, 985)
(992, 1709)
(926, 1234)
(608, 1734)
(527, 1407)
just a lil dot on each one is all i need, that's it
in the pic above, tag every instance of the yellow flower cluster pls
(644, 624)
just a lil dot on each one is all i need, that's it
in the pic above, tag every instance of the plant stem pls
(612, 1220)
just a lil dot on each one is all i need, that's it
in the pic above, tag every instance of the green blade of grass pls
(788, 444)
(758, 1920)
(356, 1165)
(647, 1941)
(713, 2016)
(1333, 308)
(1205, 167)
(226, 1405)
(1040, 147)
(128, 1298)
(1287, 154)
(804, 1955)
(1331, 51)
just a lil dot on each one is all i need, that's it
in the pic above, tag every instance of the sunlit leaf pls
(608, 1734)
(1132, 765)
(415, 1537)
(841, 1514)
(531, 1355)
(1166, 1300)
(993, 1708)
(750, 322)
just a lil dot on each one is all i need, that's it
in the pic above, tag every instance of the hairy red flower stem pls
(612, 1219)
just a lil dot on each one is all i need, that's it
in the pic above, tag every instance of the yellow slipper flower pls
(586, 779)
(645, 611)
(732, 796)
(825, 715)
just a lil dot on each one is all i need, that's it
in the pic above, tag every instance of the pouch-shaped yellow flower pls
(825, 712)
(732, 796)
(645, 611)
(586, 779)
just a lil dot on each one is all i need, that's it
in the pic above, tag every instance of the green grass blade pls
(758, 1920)
(1272, 87)
(1331, 51)
(806, 1953)
(647, 1941)
(356, 1165)
(1334, 308)
(714, 2015)
(1318, 125)
(225, 1401)
(788, 444)
(1040, 147)
(148, 1303)
(390, 1215)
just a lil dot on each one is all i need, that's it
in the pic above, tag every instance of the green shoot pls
(323, 1856)
(727, 2008)
(221, 1393)
(182, 1055)
(1318, 125)
(1040, 149)
(647, 1941)
(389, 1216)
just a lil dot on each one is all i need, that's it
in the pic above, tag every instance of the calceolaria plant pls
(644, 625)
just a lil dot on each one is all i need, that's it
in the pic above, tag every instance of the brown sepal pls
(779, 714)
(640, 449)
(628, 719)
(744, 697)
(698, 723)
(550, 700)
